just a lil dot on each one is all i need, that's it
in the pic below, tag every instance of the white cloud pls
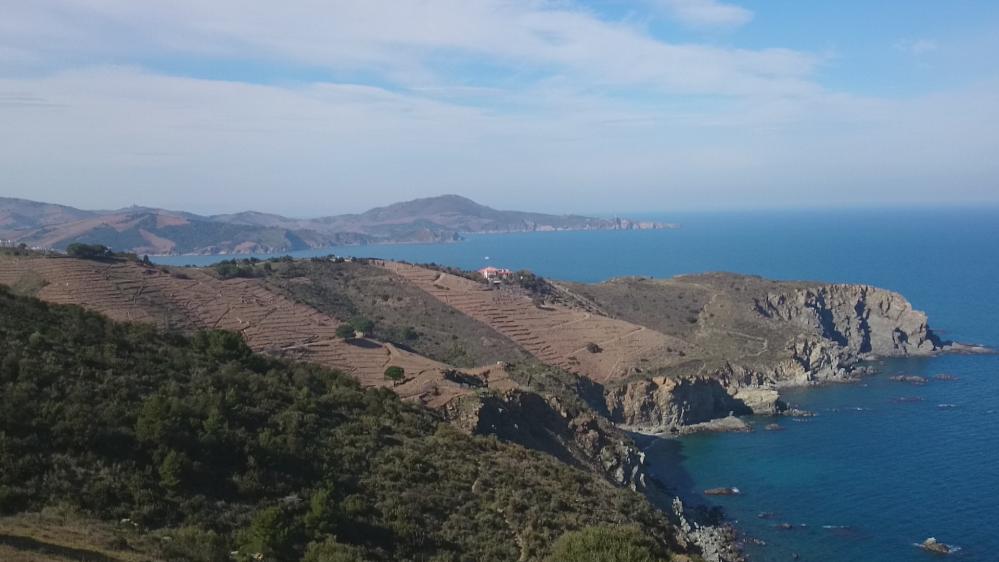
(707, 13)
(916, 46)
(116, 136)
(560, 105)
(408, 42)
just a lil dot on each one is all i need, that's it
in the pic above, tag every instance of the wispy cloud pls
(916, 46)
(707, 13)
(411, 43)
(343, 104)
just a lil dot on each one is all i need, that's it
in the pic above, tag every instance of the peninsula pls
(144, 230)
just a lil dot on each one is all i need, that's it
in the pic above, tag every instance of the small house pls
(495, 273)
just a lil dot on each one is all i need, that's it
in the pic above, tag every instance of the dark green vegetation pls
(605, 544)
(234, 451)
(88, 251)
(401, 313)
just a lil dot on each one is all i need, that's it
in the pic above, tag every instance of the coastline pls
(709, 521)
(460, 239)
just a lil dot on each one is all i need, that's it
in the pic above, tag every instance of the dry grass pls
(193, 299)
(555, 334)
(55, 537)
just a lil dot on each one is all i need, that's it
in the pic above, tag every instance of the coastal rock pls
(664, 404)
(932, 545)
(723, 491)
(911, 379)
(862, 319)
(545, 423)
(799, 413)
(726, 424)
(774, 427)
(762, 401)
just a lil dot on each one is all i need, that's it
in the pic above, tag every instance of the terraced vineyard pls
(603, 349)
(190, 298)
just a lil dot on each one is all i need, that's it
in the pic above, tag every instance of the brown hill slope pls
(676, 352)
(191, 298)
(144, 230)
(555, 334)
(402, 313)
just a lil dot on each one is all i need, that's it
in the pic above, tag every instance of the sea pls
(883, 465)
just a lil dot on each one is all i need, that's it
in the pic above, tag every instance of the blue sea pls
(871, 474)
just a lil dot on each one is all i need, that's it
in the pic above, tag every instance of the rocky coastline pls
(858, 325)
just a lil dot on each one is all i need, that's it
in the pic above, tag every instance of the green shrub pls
(345, 331)
(363, 325)
(88, 251)
(395, 373)
(272, 533)
(332, 551)
(191, 544)
(606, 544)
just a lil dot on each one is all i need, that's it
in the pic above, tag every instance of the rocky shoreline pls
(666, 407)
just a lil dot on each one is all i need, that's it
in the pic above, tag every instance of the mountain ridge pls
(148, 230)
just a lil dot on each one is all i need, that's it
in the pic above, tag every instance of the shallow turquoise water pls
(870, 475)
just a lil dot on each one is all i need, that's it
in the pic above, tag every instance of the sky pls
(309, 107)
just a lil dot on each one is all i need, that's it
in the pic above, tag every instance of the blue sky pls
(312, 107)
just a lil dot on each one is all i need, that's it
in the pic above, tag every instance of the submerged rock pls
(944, 377)
(911, 379)
(723, 491)
(799, 413)
(774, 427)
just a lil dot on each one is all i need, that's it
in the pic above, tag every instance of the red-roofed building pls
(495, 273)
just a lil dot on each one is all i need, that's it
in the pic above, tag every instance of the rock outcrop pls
(668, 404)
(662, 404)
(573, 434)
(860, 319)
(827, 329)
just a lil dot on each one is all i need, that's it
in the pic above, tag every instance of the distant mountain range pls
(145, 230)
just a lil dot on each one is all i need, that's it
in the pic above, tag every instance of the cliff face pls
(661, 404)
(827, 331)
(574, 435)
(665, 404)
(860, 319)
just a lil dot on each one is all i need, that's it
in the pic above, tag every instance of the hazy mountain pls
(146, 230)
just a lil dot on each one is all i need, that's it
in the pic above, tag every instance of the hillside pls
(565, 369)
(197, 448)
(143, 230)
(660, 354)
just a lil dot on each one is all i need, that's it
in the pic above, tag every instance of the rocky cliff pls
(812, 334)
(575, 435)
(860, 319)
